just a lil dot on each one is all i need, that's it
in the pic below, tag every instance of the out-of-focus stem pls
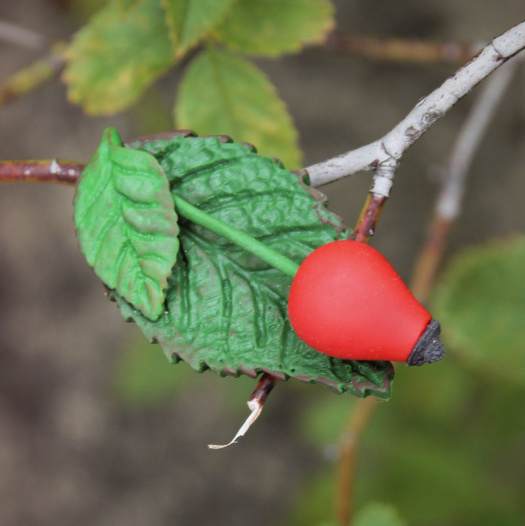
(398, 50)
(450, 199)
(349, 447)
(28, 79)
(21, 36)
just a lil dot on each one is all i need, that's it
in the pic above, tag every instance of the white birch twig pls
(385, 154)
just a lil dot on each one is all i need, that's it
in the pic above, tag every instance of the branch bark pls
(385, 154)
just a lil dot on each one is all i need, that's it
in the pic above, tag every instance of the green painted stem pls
(272, 257)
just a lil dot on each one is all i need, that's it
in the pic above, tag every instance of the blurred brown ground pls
(69, 454)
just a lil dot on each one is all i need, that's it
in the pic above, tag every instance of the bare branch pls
(386, 153)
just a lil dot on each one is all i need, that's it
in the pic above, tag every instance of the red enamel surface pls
(348, 302)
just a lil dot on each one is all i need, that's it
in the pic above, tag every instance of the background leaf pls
(114, 58)
(189, 20)
(221, 93)
(481, 305)
(271, 28)
(227, 310)
(126, 223)
(378, 514)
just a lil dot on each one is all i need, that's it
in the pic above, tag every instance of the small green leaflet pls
(225, 309)
(126, 223)
(120, 53)
(223, 93)
(189, 20)
(272, 27)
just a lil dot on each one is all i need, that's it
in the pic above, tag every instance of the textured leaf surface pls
(114, 58)
(189, 20)
(126, 223)
(481, 305)
(226, 310)
(221, 93)
(273, 27)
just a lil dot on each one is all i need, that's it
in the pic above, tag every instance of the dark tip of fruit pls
(428, 348)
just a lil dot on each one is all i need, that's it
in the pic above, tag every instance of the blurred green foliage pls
(481, 302)
(269, 28)
(127, 45)
(378, 514)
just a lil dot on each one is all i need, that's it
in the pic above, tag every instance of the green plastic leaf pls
(190, 20)
(126, 223)
(271, 27)
(114, 58)
(221, 93)
(481, 305)
(226, 310)
(378, 514)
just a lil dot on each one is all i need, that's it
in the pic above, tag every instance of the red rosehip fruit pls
(348, 302)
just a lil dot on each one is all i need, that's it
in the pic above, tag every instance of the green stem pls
(272, 257)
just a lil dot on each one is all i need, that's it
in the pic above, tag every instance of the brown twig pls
(349, 447)
(399, 50)
(369, 216)
(41, 171)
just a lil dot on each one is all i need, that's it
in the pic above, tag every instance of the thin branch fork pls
(385, 154)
